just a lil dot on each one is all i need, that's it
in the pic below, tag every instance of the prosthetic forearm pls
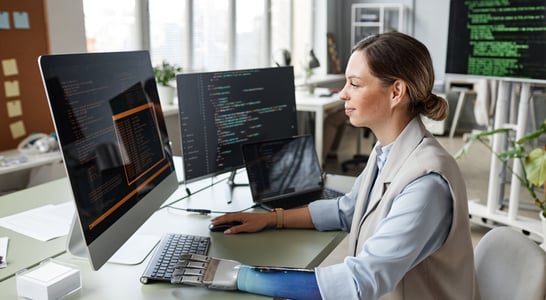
(206, 271)
(278, 282)
(231, 275)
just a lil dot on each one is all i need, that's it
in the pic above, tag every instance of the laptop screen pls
(277, 168)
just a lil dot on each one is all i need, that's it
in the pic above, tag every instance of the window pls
(251, 37)
(210, 36)
(204, 35)
(281, 26)
(111, 25)
(168, 31)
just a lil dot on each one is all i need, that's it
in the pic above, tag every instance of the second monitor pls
(220, 111)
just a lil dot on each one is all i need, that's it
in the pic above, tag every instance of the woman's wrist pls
(279, 218)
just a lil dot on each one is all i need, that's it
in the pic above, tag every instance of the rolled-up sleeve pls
(321, 210)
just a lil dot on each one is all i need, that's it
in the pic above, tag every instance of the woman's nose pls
(343, 95)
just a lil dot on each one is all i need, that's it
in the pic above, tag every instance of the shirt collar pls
(382, 154)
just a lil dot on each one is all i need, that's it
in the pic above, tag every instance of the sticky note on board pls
(17, 129)
(14, 108)
(4, 20)
(11, 88)
(9, 67)
(20, 20)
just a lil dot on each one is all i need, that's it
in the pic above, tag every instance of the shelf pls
(368, 18)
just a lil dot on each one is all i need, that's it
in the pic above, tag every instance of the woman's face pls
(367, 101)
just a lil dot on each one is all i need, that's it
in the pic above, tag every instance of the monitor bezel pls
(234, 168)
(107, 243)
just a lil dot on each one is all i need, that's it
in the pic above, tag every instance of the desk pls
(36, 169)
(22, 250)
(318, 105)
(33, 160)
(296, 248)
(321, 80)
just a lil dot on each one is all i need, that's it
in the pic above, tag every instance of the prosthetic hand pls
(200, 270)
(226, 274)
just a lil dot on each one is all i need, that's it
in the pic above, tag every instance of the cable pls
(208, 211)
(189, 193)
(198, 210)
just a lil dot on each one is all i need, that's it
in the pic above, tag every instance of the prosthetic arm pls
(225, 274)
(200, 270)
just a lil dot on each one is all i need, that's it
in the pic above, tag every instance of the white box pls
(50, 280)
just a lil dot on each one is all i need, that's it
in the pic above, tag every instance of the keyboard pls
(302, 199)
(164, 260)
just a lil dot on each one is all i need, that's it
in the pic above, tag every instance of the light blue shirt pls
(416, 226)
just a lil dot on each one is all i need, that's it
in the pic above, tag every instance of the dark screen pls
(220, 111)
(282, 167)
(111, 132)
(497, 39)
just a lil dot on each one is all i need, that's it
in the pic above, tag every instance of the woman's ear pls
(399, 89)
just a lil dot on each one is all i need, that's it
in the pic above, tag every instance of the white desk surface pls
(33, 160)
(296, 248)
(320, 79)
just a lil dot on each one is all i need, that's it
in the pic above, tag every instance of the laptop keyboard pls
(330, 194)
(302, 199)
(165, 258)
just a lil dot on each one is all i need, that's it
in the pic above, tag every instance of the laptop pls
(285, 173)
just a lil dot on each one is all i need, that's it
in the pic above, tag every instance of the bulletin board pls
(23, 103)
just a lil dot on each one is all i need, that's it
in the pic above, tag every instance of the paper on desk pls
(42, 223)
(4, 252)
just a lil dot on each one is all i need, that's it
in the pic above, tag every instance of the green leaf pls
(166, 72)
(535, 166)
(464, 149)
(491, 132)
(533, 135)
(511, 153)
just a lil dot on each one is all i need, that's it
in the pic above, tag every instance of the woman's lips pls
(348, 110)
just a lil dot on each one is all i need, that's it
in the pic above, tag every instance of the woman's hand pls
(250, 222)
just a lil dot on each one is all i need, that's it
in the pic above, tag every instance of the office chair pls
(359, 158)
(510, 266)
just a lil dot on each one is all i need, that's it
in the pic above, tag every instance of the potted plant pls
(533, 160)
(165, 74)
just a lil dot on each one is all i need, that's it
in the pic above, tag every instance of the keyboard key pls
(165, 258)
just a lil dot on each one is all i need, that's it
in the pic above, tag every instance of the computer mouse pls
(223, 227)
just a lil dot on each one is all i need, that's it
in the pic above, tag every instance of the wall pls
(428, 22)
(66, 26)
(66, 34)
(431, 28)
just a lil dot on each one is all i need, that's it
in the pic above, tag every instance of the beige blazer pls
(449, 272)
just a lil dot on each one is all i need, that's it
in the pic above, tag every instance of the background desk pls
(317, 105)
(36, 169)
(296, 248)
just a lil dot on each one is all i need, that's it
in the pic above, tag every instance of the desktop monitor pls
(114, 142)
(220, 111)
(497, 39)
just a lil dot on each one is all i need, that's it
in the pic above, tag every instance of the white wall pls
(431, 22)
(66, 26)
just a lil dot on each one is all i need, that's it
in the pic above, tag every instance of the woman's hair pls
(394, 55)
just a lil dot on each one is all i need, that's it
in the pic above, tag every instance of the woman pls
(407, 212)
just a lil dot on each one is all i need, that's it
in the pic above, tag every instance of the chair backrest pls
(510, 266)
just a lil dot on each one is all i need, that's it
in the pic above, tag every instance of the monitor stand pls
(231, 185)
(133, 251)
